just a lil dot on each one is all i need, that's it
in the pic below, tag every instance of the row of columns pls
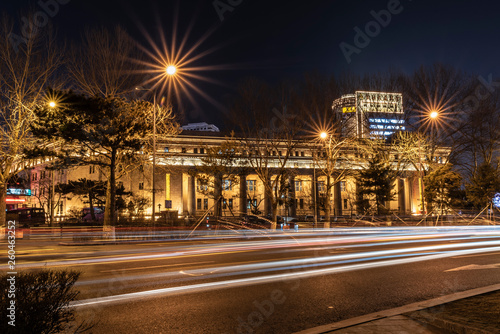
(189, 195)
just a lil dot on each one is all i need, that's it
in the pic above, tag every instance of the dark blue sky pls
(277, 39)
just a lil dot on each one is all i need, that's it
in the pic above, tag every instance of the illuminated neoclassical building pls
(177, 188)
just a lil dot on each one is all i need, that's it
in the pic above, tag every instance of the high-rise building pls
(370, 114)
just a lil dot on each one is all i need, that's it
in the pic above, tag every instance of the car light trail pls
(255, 268)
(271, 278)
(299, 244)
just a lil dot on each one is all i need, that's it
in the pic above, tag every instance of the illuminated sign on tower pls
(370, 114)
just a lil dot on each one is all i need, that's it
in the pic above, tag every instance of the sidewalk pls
(404, 319)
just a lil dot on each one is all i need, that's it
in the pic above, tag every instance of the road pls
(276, 283)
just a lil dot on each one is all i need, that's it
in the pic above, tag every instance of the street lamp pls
(52, 104)
(170, 71)
(323, 135)
(433, 116)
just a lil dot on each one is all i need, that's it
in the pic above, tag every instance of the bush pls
(42, 301)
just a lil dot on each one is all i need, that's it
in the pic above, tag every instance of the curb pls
(405, 309)
(449, 326)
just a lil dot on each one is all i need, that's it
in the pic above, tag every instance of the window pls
(165, 150)
(198, 204)
(183, 150)
(321, 186)
(201, 185)
(302, 154)
(298, 185)
(202, 150)
(227, 185)
(251, 185)
(195, 151)
(224, 204)
(91, 169)
(141, 185)
(345, 203)
(251, 204)
(205, 204)
(301, 203)
(296, 153)
(342, 185)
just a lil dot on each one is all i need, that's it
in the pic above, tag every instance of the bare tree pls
(25, 72)
(268, 129)
(104, 63)
(221, 164)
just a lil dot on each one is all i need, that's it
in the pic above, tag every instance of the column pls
(337, 199)
(192, 195)
(359, 199)
(401, 196)
(292, 197)
(243, 194)
(185, 193)
(314, 195)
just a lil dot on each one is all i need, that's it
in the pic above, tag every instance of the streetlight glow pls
(171, 70)
(323, 135)
(52, 104)
(434, 114)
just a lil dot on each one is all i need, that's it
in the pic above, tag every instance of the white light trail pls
(271, 278)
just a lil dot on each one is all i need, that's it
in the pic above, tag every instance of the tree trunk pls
(327, 202)
(274, 213)
(109, 212)
(3, 204)
(218, 196)
(52, 199)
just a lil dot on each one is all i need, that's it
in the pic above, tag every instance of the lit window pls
(251, 185)
(227, 185)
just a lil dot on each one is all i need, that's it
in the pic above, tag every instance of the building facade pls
(180, 189)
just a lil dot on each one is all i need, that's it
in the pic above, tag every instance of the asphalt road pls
(275, 284)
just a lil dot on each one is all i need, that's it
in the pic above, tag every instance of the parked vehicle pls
(98, 213)
(27, 217)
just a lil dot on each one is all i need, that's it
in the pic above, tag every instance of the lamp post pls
(433, 117)
(52, 104)
(323, 136)
(170, 71)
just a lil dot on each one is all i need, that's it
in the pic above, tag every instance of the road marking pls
(149, 267)
(462, 256)
(476, 267)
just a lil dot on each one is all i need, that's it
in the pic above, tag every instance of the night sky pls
(282, 39)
